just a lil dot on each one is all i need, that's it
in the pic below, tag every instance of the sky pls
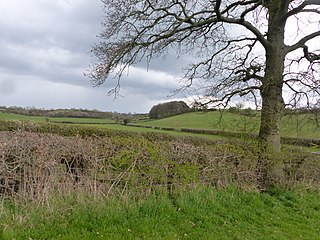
(45, 51)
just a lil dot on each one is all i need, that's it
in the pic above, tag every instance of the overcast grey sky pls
(45, 49)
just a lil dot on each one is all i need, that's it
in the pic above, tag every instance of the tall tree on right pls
(242, 47)
(280, 70)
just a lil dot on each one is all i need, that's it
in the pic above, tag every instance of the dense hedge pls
(34, 164)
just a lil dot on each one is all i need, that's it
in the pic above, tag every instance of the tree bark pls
(271, 93)
(272, 102)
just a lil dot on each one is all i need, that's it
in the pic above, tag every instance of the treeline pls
(74, 113)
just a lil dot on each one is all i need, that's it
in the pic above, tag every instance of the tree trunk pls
(271, 93)
(272, 105)
(271, 89)
(270, 169)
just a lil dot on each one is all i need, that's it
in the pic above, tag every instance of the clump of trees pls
(168, 109)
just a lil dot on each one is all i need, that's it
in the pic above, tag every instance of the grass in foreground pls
(199, 214)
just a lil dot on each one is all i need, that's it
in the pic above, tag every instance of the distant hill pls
(71, 113)
(299, 125)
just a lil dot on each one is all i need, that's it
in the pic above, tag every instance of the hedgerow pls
(34, 165)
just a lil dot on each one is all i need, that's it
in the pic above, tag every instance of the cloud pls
(7, 88)
(149, 81)
(45, 94)
(45, 49)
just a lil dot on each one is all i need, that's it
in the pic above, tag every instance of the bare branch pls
(311, 57)
(301, 7)
(236, 4)
(317, 11)
(261, 38)
(225, 99)
(302, 42)
(250, 9)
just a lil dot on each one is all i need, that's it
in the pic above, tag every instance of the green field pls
(300, 126)
(199, 214)
(297, 126)
(96, 123)
(19, 117)
(210, 120)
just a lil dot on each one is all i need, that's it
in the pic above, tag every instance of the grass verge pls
(205, 213)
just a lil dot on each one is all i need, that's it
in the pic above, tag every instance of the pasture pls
(293, 125)
(97, 123)
(19, 117)
(301, 130)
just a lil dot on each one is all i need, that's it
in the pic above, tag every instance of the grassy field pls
(200, 214)
(150, 130)
(98, 123)
(12, 116)
(301, 126)
(210, 120)
(298, 126)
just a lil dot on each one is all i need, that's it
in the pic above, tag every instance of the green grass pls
(297, 126)
(92, 125)
(146, 130)
(210, 120)
(97, 123)
(300, 126)
(199, 214)
(13, 116)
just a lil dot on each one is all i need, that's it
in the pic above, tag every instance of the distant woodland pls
(77, 113)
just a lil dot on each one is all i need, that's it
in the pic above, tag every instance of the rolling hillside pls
(20, 117)
(300, 126)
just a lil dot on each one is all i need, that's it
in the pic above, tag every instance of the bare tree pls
(241, 47)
